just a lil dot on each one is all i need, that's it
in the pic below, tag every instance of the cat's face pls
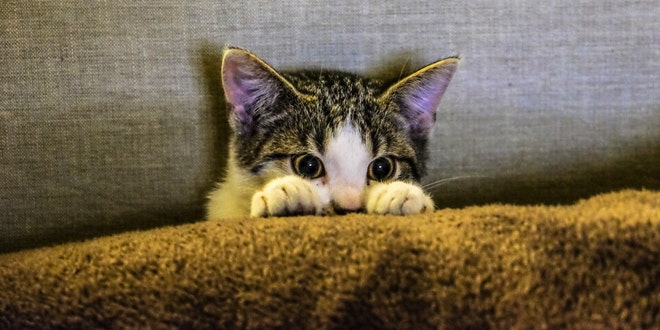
(340, 131)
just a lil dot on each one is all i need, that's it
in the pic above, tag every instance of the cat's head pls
(341, 131)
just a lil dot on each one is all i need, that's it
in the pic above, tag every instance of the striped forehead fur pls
(332, 99)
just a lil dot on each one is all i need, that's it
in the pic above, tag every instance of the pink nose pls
(349, 199)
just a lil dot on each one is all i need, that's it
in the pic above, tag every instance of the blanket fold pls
(595, 264)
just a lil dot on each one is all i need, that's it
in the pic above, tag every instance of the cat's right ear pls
(251, 86)
(418, 95)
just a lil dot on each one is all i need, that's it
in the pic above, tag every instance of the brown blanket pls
(595, 264)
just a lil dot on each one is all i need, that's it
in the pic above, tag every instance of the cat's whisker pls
(321, 72)
(403, 68)
(437, 183)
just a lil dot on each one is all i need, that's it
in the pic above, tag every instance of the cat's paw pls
(398, 198)
(289, 195)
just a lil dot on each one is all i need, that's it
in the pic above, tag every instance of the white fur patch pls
(289, 195)
(346, 161)
(398, 198)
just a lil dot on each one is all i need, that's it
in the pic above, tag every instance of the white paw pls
(398, 198)
(289, 195)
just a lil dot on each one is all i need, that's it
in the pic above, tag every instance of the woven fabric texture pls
(110, 112)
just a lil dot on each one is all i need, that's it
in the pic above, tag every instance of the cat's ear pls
(418, 95)
(251, 86)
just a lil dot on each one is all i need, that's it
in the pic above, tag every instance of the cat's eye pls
(381, 169)
(308, 166)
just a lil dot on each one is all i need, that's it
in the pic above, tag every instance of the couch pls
(112, 131)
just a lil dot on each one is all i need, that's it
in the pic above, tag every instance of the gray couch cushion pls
(110, 112)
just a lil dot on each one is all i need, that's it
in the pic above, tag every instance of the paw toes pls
(398, 198)
(284, 197)
(259, 205)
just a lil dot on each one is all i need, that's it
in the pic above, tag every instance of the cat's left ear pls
(418, 95)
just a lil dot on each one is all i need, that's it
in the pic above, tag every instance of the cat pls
(325, 142)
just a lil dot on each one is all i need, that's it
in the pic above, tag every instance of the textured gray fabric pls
(109, 110)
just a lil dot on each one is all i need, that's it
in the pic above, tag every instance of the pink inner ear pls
(425, 98)
(244, 79)
(235, 94)
(422, 93)
(235, 80)
(422, 123)
(421, 100)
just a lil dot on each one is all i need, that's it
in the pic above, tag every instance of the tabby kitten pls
(325, 142)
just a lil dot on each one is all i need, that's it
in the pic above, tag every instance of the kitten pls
(325, 142)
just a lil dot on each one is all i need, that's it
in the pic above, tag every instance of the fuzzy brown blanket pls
(595, 264)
